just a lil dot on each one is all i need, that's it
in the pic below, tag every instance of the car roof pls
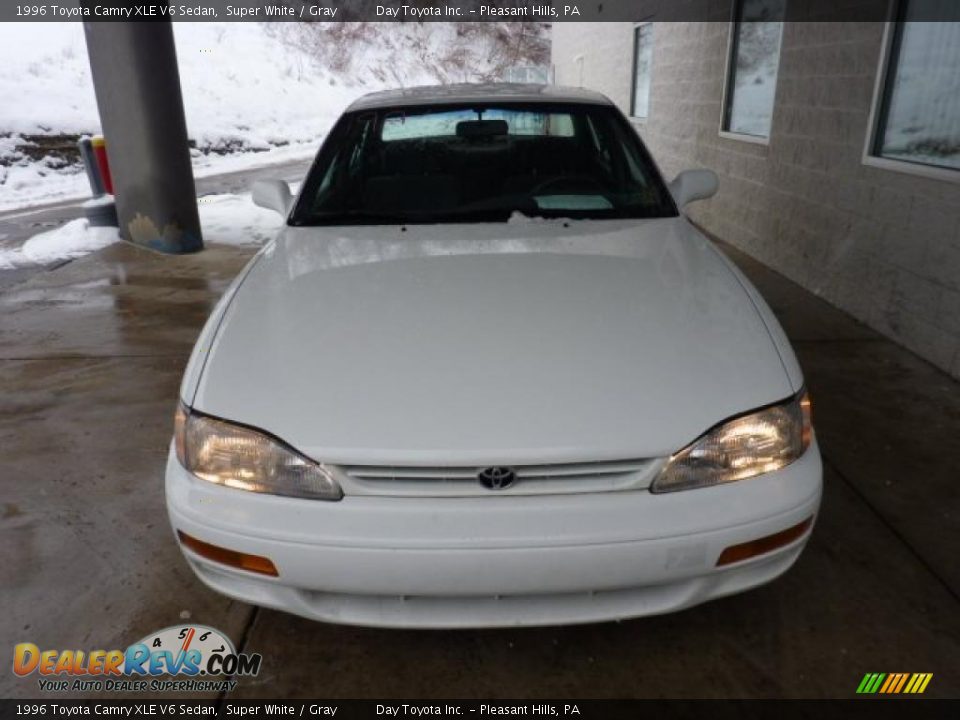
(480, 92)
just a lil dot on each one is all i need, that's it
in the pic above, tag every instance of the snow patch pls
(250, 100)
(224, 219)
(71, 240)
(235, 220)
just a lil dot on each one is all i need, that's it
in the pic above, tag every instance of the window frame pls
(729, 80)
(879, 106)
(641, 119)
(300, 210)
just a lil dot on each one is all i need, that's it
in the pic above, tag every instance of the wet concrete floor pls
(90, 360)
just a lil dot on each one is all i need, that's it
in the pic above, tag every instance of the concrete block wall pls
(881, 244)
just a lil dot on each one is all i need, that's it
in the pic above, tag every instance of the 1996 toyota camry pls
(487, 374)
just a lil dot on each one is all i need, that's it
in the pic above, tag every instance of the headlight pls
(752, 444)
(238, 457)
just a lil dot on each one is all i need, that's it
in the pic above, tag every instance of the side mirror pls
(693, 185)
(272, 195)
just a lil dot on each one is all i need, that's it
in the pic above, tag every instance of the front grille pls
(463, 480)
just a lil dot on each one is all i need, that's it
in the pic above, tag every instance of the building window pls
(917, 119)
(642, 60)
(753, 63)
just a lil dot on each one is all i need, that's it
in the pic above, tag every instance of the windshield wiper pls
(475, 212)
(353, 217)
(364, 217)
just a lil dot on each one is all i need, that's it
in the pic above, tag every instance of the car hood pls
(522, 342)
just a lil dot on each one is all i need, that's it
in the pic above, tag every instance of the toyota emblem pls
(497, 478)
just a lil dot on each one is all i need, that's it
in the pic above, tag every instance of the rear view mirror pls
(272, 195)
(693, 185)
(481, 128)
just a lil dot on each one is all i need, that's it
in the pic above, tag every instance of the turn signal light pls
(747, 550)
(251, 563)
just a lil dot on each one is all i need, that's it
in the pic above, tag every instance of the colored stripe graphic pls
(918, 683)
(866, 683)
(903, 681)
(894, 683)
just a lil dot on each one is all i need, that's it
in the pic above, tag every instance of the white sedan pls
(488, 374)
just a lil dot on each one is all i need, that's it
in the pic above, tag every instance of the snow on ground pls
(45, 75)
(72, 240)
(225, 219)
(241, 84)
(247, 93)
(254, 93)
(36, 183)
(33, 185)
(234, 220)
(207, 165)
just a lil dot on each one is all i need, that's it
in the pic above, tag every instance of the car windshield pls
(486, 163)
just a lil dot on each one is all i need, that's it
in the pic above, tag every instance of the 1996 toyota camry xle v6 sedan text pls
(487, 374)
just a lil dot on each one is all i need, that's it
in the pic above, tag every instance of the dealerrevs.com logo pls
(200, 658)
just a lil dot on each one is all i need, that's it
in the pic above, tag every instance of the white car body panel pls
(431, 352)
(371, 345)
(790, 364)
(495, 561)
(201, 349)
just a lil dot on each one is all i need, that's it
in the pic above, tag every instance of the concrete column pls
(134, 66)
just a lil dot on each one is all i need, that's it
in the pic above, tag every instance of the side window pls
(642, 62)
(917, 107)
(753, 64)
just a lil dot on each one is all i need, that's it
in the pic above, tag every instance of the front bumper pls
(495, 561)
